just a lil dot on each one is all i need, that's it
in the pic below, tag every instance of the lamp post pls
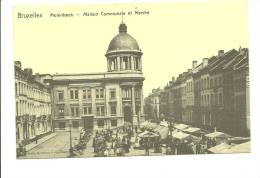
(71, 148)
(170, 127)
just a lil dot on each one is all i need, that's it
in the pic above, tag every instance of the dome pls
(123, 41)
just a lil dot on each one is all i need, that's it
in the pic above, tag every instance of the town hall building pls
(102, 100)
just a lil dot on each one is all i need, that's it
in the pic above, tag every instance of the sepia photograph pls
(131, 79)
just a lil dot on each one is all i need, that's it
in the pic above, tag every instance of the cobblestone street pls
(56, 147)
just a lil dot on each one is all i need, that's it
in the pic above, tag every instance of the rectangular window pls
(76, 94)
(100, 123)
(71, 94)
(77, 111)
(99, 93)
(114, 123)
(87, 110)
(60, 95)
(61, 111)
(89, 93)
(137, 93)
(74, 111)
(84, 94)
(126, 93)
(212, 99)
(220, 98)
(112, 94)
(211, 83)
(216, 99)
(113, 110)
(100, 111)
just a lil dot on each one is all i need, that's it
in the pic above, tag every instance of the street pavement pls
(58, 147)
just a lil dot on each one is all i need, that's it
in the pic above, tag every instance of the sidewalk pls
(40, 141)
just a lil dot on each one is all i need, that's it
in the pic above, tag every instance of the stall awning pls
(180, 126)
(218, 135)
(148, 134)
(241, 148)
(180, 135)
(191, 129)
(219, 148)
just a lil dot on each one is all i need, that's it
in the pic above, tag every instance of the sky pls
(171, 36)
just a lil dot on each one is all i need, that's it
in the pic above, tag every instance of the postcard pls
(147, 79)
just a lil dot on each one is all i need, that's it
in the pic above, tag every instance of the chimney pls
(205, 62)
(18, 64)
(28, 71)
(220, 53)
(173, 79)
(194, 64)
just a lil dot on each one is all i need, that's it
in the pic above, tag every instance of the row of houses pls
(33, 105)
(213, 94)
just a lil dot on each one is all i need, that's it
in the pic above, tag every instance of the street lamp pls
(71, 148)
(170, 127)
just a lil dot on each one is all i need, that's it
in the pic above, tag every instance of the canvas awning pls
(146, 134)
(219, 148)
(180, 126)
(191, 129)
(180, 135)
(241, 148)
(218, 135)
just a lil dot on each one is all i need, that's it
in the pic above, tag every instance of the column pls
(118, 63)
(142, 105)
(121, 63)
(140, 64)
(108, 65)
(135, 122)
(129, 63)
(132, 62)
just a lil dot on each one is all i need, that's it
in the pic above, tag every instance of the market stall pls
(219, 148)
(180, 135)
(162, 131)
(240, 148)
(180, 126)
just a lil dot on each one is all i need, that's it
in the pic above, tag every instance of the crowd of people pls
(112, 142)
(119, 141)
(190, 146)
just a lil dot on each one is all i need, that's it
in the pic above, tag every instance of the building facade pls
(153, 105)
(102, 100)
(214, 94)
(33, 105)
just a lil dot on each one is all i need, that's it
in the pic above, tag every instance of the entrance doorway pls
(128, 114)
(75, 124)
(62, 125)
(88, 123)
